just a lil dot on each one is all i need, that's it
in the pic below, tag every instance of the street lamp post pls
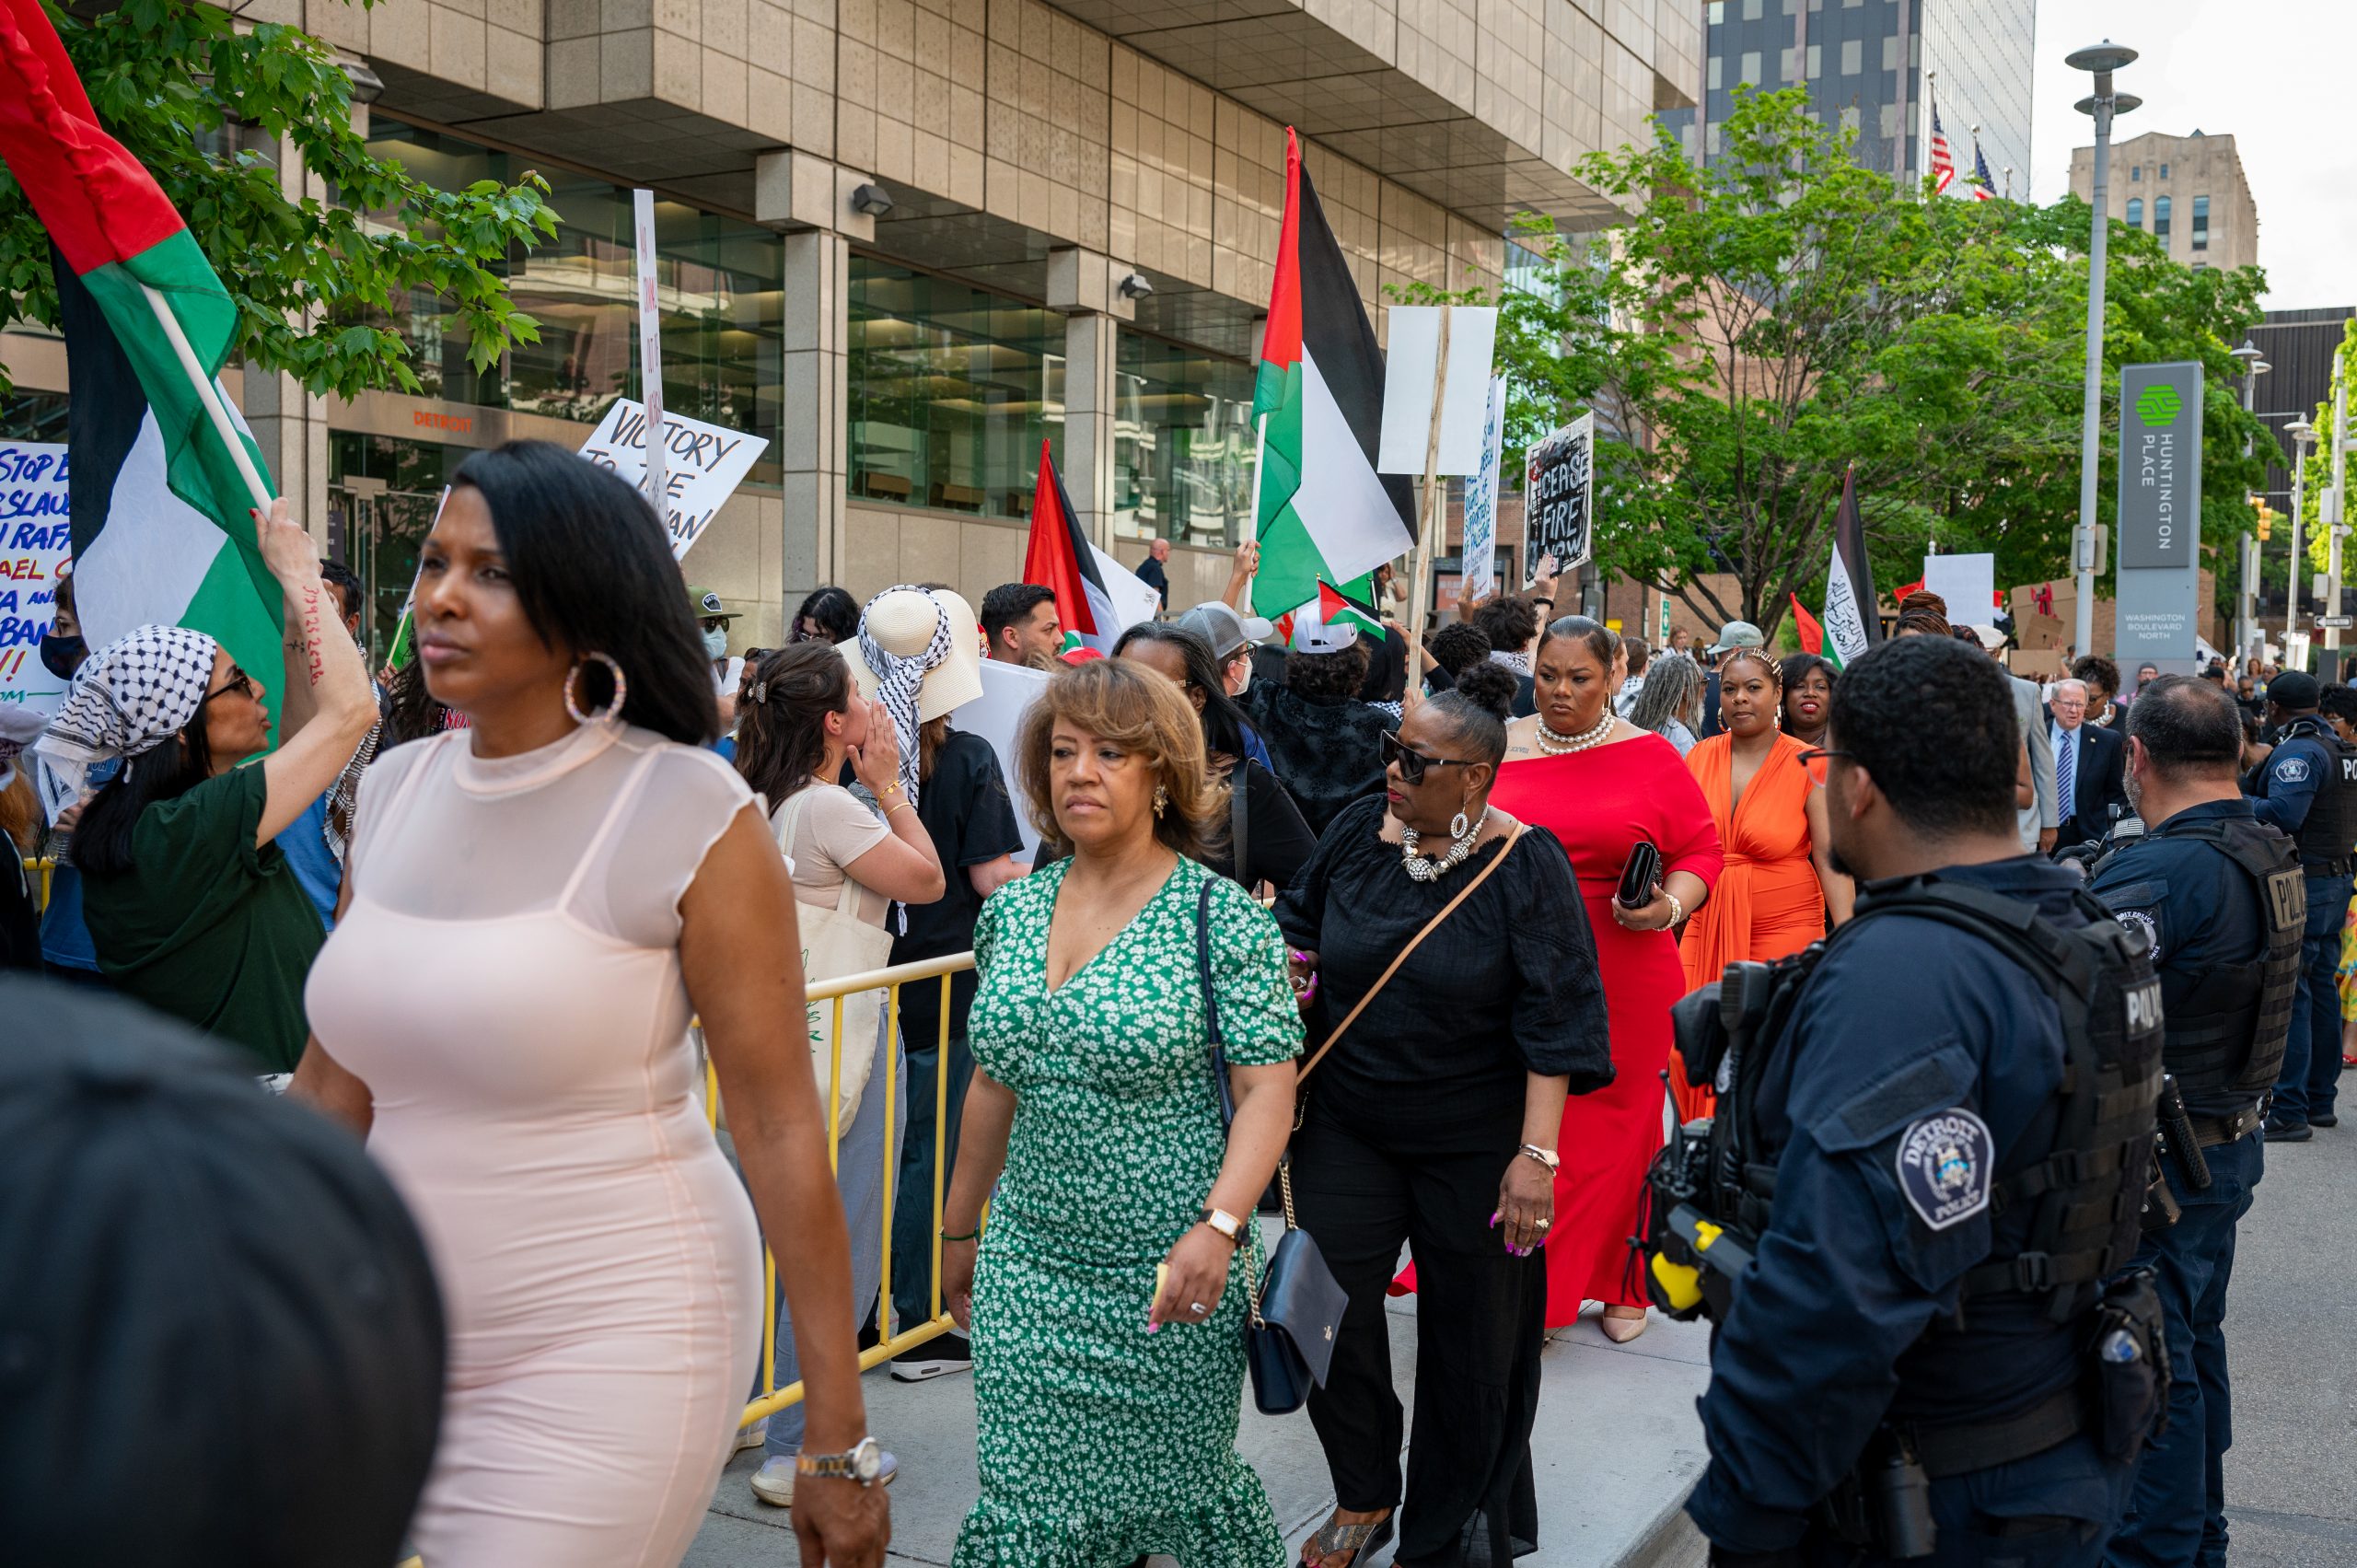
(2247, 634)
(2102, 59)
(2336, 522)
(2301, 433)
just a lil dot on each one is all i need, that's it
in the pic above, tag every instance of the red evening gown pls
(1600, 803)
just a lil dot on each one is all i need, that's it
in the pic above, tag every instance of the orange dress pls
(1768, 901)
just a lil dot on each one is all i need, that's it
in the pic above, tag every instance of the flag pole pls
(1420, 578)
(1252, 522)
(209, 396)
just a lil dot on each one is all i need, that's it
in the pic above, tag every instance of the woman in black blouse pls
(1441, 1101)
(1275, 842)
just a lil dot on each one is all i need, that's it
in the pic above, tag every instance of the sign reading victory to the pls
(36, 538)
(703, 464)
(1557, 489)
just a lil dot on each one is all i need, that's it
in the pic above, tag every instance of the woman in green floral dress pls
(1108, 1409)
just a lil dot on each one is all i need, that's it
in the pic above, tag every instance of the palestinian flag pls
(1060, 558)
(1335, 606)
(1812, 633)
(1853, 620)
(161, 499)
(1324, 513)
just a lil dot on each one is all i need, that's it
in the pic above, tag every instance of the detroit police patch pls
(1946, 1166)
(2291, 769)
(2144, 928)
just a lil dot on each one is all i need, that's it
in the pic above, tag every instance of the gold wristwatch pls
(1227, 1225)
(863, 1463)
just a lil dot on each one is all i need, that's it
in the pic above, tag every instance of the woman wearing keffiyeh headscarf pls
(192, 908)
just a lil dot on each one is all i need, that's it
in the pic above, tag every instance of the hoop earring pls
(613, 712)
(1161, 800)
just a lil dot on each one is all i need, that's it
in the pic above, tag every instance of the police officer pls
(1917, 1309)
(2308, 786)
(2217, 897)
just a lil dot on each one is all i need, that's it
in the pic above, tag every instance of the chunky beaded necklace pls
(1429, 868)
(1556, 745)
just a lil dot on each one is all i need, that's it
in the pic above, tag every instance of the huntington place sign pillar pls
(2159, 561)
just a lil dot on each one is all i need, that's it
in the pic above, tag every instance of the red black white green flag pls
(1324, 513)
(161, 500)
(1336, 607)
(1060, 559)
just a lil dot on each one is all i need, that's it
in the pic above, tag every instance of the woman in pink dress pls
(1602, 787)
(533, 907)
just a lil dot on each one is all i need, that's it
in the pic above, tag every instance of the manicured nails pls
(1495, 1217)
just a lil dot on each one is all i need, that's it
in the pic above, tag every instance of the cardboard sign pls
(1411, 376)
(1480, 546)
(36, 538)
(703, 464)
(1558, 486)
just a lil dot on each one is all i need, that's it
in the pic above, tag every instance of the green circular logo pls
(2158, 404)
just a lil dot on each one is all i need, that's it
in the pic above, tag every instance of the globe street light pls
(2301, 433)
(2103, 59)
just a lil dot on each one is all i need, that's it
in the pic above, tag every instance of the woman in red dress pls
(1601, 786)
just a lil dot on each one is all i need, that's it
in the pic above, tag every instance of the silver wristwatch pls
(863, 1463)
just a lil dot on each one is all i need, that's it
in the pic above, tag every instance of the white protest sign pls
(1008, 692)
(704, 464)
(1558, 492)
(36, 538)
(1479, 554)
(1969, 585)
(1411, 378)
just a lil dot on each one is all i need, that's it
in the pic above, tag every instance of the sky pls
(2273, 73)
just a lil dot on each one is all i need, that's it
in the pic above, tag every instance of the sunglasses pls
(1820, 764)
(1411, 764)
(239, 681)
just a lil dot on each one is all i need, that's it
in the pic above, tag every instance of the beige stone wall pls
(2198, 166)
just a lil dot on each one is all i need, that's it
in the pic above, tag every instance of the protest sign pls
(1008, 692)
(1969, 585)
(36, 538)
(703, 464)
(1481, 549)
(1413, 378)
(1556, 491)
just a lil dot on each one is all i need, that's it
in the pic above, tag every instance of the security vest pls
(2226, 1024)
(2329, 832)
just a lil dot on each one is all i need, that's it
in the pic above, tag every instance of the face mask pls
(715, 645)
(60, 656)
(1246, 684)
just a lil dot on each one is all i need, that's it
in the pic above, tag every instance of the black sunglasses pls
(239, 681)
(1412, 763)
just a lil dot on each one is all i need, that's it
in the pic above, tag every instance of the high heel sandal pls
(1362, 1541)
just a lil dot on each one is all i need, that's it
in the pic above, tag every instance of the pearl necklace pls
(1556, 745)
(1423, 869)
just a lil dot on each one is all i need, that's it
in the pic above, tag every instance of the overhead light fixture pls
(366, 86)
(1136, 286)
(871, 200)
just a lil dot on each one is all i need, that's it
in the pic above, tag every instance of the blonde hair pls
(1143, 713)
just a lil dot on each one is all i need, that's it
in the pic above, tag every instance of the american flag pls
(1983, 188)
(1942, 161)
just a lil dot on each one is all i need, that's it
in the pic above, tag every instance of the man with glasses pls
(2089, 785)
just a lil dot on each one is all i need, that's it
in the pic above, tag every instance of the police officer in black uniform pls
(2308, 786)
(2218, 898)
(1939, 1180)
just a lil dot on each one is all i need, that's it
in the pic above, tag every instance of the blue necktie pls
(2066, 773)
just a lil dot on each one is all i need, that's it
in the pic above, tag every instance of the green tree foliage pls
(1760, 326)
(203, 98)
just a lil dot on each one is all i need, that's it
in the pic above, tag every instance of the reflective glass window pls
(2201, 223)
(2161, 216)
(2135, 212)
(1182, 443)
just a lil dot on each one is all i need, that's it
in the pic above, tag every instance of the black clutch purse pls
(1296, 1303)
(1640, 879)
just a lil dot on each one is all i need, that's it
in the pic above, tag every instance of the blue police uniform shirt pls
(2287, 782)
(1891, 1123)
(2192, 905)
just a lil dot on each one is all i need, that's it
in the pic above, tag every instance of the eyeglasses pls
(239, 681)
(1412, 762)
(1820, 764)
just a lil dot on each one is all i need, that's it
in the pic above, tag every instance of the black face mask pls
(62, 656)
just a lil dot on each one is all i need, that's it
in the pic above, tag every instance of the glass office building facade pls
(1183, 443)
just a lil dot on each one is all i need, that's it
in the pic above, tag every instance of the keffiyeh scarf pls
(129, 698)
(898, 679)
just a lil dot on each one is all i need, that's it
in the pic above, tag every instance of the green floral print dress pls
(1100, 1443)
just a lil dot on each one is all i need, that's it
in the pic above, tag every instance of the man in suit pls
(2090, 766)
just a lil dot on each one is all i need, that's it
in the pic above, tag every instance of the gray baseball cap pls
(1738, 635)
(1218, 624)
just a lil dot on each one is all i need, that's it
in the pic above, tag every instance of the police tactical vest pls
(2329, 831)
(2226, 1024)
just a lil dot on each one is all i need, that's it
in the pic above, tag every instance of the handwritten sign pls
(36, 538)
(1481, 549)
(703, 464)
(1558, 480)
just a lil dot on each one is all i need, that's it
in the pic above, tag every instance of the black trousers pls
(1363, 1185)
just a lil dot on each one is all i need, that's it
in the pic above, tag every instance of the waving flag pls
(1059, 558)
(1853, 622)
(1942, 161)
(1983, 188)
(1324, 512)
(1335, 606)
(163, 472)
(1812, 633)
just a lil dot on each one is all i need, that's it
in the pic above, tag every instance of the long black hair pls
(101, 840)
(595, 573)
(833, 609)
(1223, 720)
(782, 718)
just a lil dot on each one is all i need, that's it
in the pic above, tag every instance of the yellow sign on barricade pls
(773, 1398)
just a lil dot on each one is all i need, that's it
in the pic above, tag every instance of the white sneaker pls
(948, 1353)
(751, 1435)
(774, 1483)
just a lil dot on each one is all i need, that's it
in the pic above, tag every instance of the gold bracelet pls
(894, 806)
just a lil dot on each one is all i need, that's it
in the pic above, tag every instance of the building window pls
(1816, 61)
(2165, 172)
(1182, 443)
(2135, 212)
(2136, 174)
(1750, 10)
(1718, 12)
(1717, 65)
(1890, 51)
(2160, 217)
(1750, 68)
(1852, 57)
(951, 392)
(2201, 223)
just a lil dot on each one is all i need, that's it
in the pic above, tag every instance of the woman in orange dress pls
(1778, 879)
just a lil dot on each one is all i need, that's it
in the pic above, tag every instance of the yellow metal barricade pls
(42, 869)
(773, 1397)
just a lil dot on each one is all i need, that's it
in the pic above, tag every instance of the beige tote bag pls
(836, 942)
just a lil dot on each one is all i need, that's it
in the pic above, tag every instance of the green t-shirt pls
(208, 926)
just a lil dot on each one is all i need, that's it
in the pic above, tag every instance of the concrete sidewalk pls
(1617, 1448)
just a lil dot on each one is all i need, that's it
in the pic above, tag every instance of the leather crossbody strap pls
(1417, 941)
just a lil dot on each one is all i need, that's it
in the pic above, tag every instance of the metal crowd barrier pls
(773, 1398)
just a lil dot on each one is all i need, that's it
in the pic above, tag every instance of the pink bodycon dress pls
(506, 982)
